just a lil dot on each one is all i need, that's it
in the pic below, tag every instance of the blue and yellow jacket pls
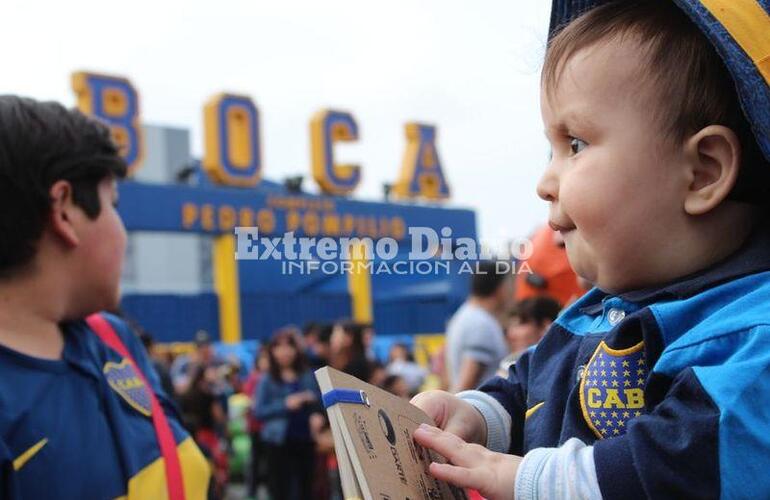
(670, 385)
(80, 427)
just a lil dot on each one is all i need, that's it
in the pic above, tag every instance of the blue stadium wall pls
(402, 304)
(172, 317)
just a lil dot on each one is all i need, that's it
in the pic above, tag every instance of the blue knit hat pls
(740, 32)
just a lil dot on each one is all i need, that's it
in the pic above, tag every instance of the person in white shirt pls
(475, 340)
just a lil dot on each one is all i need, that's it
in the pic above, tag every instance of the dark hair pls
(536, 309)
(261, 351)
(356, 333)
(198, 373)
(147, 340)
(390, 381)
(40, 144)
(690, 80)
(486, 279)
(310, 328)
(325, 332)
(285, 335)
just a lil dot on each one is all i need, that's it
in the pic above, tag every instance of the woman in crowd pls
(348, 353)
(285, 399)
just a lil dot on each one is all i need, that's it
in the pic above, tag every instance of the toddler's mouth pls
(559, 228)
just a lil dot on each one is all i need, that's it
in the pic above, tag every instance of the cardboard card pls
(376, 434)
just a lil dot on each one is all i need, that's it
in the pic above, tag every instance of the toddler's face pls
(612, 182)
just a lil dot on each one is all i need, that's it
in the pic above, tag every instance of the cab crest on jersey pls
(124, 380)
(612, 389)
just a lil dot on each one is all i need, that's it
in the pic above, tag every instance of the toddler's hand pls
(492, 474)
(453, 415)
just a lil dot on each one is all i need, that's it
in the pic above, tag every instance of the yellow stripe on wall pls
(227, 288)
(360, 284)
(749, 25)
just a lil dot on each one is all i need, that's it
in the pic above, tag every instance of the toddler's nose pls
(548, 185)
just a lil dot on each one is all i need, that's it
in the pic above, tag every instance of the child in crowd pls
(205, 418)
(402, 364)
(397, 386)
(528, 321)
(82, 412)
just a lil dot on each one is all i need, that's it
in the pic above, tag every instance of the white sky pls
(469, 67)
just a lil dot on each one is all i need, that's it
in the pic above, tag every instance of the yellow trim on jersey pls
(150, 482)
(22, 459)
(621, 352)
(583, 406)
(532, 410)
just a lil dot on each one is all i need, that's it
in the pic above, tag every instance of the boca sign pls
(233, 148)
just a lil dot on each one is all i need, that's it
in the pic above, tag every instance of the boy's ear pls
(62, 212)
(714, 155)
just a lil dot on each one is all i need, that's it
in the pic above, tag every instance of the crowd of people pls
(291, 446)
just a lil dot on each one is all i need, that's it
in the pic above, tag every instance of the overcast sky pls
(469, 67)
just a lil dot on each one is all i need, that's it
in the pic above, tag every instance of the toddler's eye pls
(577, 145)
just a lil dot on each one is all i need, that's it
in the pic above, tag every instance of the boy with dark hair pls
(528, 321)
(486, 279)
(655, 383)
(82, 413)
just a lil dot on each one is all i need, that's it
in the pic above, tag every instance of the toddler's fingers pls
(433, 403)
(448, 445)
(458, 476)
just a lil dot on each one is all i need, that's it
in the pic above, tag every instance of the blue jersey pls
(81, 427)
(671, 385)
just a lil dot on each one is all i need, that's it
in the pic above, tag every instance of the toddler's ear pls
(62, 208)
(714, 159)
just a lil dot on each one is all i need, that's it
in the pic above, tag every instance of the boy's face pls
(522, 334)
(103, 244)
(613, 184)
